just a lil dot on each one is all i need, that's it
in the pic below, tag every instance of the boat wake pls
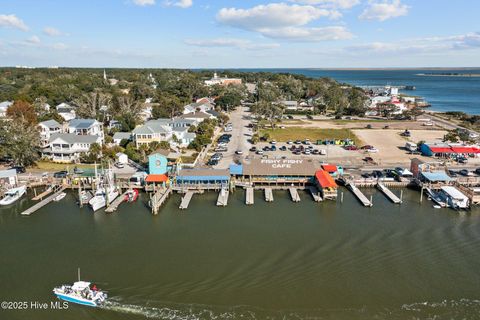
(446, 309)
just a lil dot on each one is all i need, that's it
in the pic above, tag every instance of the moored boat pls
(131, 195)
(454, 198)
(105, 193)
(435, 197)
(60, 196)
(13, 195)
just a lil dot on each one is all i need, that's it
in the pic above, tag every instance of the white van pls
(410, 146)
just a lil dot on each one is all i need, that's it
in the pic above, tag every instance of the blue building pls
(204, 178)
(157, 163)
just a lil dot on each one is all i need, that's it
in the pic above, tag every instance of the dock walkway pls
(186, 200)
(159, 198)
(222, 200)
(294, 194)
(45, 193)
(388, 193)
(315, 194)
(43, 203)
(361, 197)
(113, 206)
(249, 196)
(268, 195)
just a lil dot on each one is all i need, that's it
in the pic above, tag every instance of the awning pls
(329, 167)
(324, 179)
(437, 176)
(441, 149)
(465, 150)
(156, 178)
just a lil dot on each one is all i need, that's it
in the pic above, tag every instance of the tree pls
(20, 141)
(22, 111)
(89, 104)
(450, 136)
(269, 111)
(168, 106)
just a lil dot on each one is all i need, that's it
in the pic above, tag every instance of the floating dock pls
(294, 194)
(222, 200)
(186, 200)
(388, 193)
(249, 196)
(315, 194)
(43, 203)
(360, 196)
(113, 206)
(45, 193)
(268, 195)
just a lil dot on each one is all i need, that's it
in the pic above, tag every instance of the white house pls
(86, 127)
(202, 106)
(67, 147)
(66, 111)
(163, 130)
(3, 108)
(222, 81)
(47, 128)
(197, 116)
(289, 104)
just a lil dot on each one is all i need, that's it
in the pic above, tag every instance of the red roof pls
(441, 149)
(324, 179)
(329, 167)
(462, 149)
(156, 178)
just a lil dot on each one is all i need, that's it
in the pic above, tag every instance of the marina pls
(388, 193)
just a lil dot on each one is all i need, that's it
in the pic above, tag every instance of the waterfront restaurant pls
(205, 179)
(279, 172)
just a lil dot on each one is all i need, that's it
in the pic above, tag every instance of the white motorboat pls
(60, 196)
(435, 197)
(81, 293)
(13, 195)
(454, 198)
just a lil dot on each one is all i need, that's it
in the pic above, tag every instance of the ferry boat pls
(106, 192)
(81, 293)
(454, 198)
(13, 195)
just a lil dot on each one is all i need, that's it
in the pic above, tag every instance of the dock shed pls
(326, 184)
(8, 177)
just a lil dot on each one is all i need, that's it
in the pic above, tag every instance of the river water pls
(279, 260)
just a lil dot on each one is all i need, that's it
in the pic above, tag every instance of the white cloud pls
(52, 32)
(284, 21)
(179, 3)
(144, 2)
(384, 10)
(34, 40)
(232, 43)
(341, 4)
(12, 21)
(59, 46)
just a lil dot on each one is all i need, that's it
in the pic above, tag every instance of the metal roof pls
(437, 176)
(50, 124)
(74, 138)
(8, 173)
(81, 123)
(281, 167)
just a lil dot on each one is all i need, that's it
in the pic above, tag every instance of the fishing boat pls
(454, 198)
(131, 195)
(435, 197)
(81, 293)
(105, 193)
(13, 195)
(60, 196)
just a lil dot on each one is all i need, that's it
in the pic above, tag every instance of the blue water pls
(444, 93)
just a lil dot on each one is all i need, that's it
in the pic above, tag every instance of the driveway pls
(241, 133)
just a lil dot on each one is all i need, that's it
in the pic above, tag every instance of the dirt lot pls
(357, 124)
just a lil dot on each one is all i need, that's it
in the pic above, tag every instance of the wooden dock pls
(388, 193)
(268, 195)
(159, 198)
(315, 194)
(294, 194)
(45, 193)
(360, 196)
(222, 200)
(43, 203)
(113, 206)
(249, 196)
(186, 200)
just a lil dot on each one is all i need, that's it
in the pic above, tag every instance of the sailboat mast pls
(78, 271)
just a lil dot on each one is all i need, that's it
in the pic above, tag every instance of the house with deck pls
(86, 127)
(165, 130)
(68, 147)
(47, 129)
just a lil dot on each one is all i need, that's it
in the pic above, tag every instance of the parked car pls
(19, 169)
(273, 142)
(323, 152)
(297, 152)
(366, 175)
(372, 150)
(212, 162)
(253, 149)
(283, 148)
(60, 174)
(315, 151)
(239, 152)
(350, 148)
(273, 148)
(77, 170)
(307, 152)
(452, 173)
(289, 142)
(298, 142)
(405, 133)
(477, 171)
(260, 152)
(464, 172)
(377, 174)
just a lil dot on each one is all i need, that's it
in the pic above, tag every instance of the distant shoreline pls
(465, 75)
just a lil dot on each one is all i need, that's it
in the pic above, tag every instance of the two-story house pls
(164, 130)
(67, 147)
(47, 129)
(89, 127)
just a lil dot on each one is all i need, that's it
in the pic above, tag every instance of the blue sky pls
(235, 34)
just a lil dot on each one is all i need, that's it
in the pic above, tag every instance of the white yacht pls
(13, 195)
(454, 198)
(106, 192)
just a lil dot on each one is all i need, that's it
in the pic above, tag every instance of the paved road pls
(241, 133)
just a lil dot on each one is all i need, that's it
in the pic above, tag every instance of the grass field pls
(51, 166)
(314, 134)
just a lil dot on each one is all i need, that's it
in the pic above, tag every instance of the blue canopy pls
(438, 176)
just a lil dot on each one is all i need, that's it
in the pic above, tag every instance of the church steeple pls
(104, 75)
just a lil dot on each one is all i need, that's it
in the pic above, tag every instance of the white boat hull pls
(13, 195)
(99, 201)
